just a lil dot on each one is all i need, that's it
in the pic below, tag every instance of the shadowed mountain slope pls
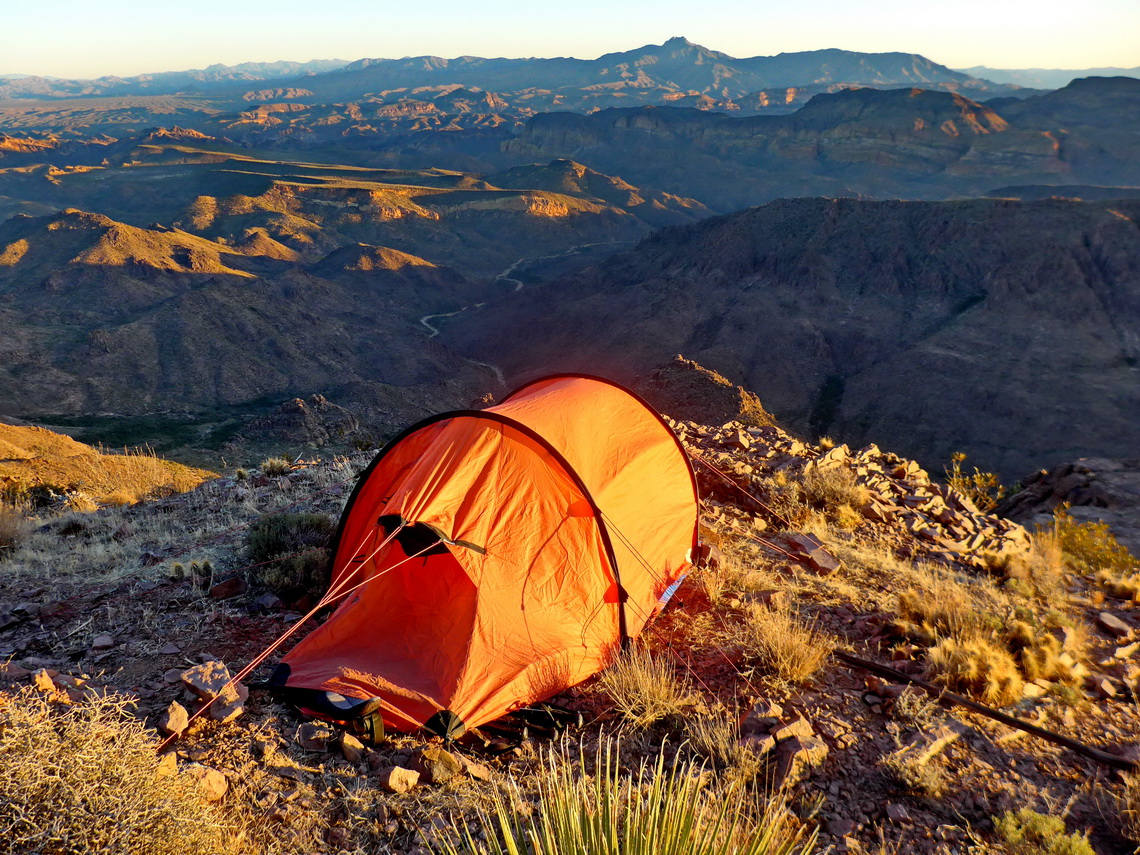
(934, 326)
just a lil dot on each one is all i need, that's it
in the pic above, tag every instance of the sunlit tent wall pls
(496, 557)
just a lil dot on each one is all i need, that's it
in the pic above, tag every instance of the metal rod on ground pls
(1114, 760)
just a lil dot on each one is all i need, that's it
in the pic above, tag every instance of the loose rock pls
(435, 765)
(397, 779)
(174, 720)
(212, 784)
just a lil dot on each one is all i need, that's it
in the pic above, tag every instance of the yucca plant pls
(659, 809)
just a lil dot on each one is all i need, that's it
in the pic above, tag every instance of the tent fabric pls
(565, 513)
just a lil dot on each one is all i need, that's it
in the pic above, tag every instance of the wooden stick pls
(1114, 760)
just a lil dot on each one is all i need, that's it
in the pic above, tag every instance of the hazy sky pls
(83, 38)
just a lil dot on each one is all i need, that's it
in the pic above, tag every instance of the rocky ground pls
(832, 548)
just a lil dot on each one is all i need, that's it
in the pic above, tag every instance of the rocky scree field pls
(115, 624)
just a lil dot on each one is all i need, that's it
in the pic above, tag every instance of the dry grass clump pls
(941, 608)
(85, 779)
(779, 641)
(1039, 574)
(977, 667)
(834, 488)
(1027, 832)
(1121, 587)
(918, 709)
(981, 647)
(715, 737)
(293, 551)
(784, 495)
(275, 467)
(734, 576)
(644, 687)
(1041, 654)
(654, 809)
(1128, 807)
(14, 530)
(833, 491)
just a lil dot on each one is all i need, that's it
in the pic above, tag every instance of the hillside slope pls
(820, 553)
(104, 317)
(32, 457)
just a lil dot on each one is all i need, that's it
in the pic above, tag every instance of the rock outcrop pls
(1093, 488)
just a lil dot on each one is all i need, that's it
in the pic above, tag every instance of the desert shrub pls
(275, 467)
(833, 488)
(292, 550)
(977, 649)
(644, 687)
(1090, 547)
(14, 530)
(657, 809)
(777, 640)
(918, 709)
(785, 496)
(913, 774)
(85, 779)
(1026, 832)
(984, 489)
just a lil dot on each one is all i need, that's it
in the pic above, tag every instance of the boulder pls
(211, 680)
(795, 758)
(351, 748)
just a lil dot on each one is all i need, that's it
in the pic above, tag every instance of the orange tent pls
(496, 557)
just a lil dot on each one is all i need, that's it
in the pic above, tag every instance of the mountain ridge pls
(677, 66)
